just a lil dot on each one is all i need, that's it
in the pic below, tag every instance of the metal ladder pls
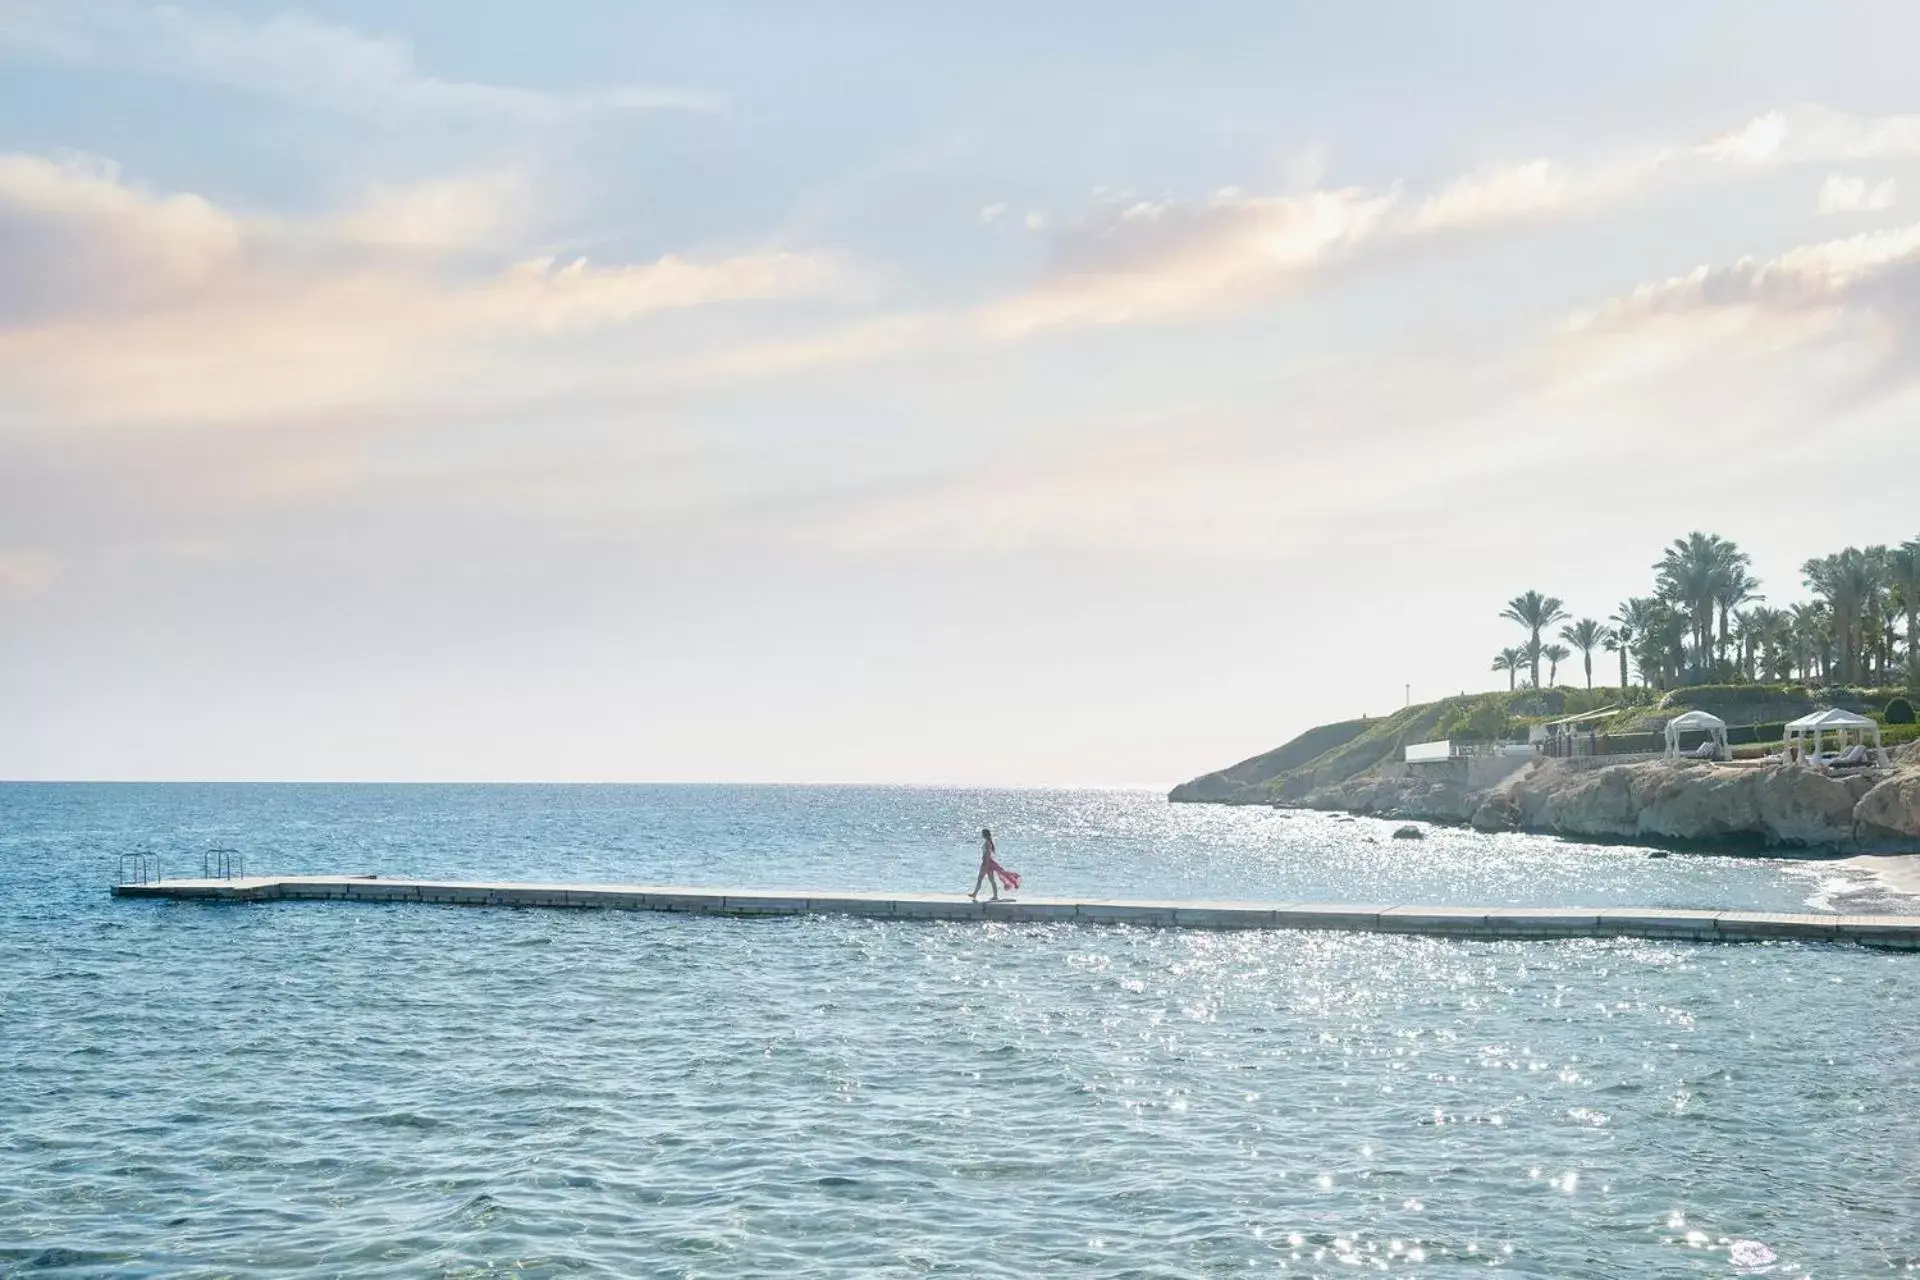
(139, 867)
(221, 863)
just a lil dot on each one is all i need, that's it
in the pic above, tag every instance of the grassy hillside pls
(1331, 753)
(1302, 750)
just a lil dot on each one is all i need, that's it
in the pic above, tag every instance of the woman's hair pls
(986, 832)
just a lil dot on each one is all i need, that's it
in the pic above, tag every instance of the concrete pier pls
(1901, 932)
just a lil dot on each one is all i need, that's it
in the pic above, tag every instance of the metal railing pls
(220, 863)
(139, 867)
(142, 866)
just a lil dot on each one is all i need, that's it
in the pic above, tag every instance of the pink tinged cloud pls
(1505, 194)
(124, 305)
(1857, 269)
(74, 239)
(1146, 261)
(540, 295)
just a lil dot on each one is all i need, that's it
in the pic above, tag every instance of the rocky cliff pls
(1787, 805)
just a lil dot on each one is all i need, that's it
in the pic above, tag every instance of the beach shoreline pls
(1897, 873)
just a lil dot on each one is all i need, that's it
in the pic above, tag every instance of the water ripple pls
(309, 1091)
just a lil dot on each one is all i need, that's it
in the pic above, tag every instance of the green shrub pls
(1488, 721)
(1482, 719)
(1890, 736)
(1899, 711)
(1693, 695)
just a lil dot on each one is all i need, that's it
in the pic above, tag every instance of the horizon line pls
(576, 782)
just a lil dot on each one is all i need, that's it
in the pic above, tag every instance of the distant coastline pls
(1721, 675)
(1614, 792)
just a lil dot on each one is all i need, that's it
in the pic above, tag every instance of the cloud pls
(1511, 193)
(1538, 186)
(1132, 261)
(1137, 260)
(880, 338)
(539, 295)
(297, 59)
(1307, 468)
(1810, 133)
(1759, 139)
(1822, 334)
(1143, 260)
(1873, 269)
(1843, 194)
(445, 213)
(121, 304)
(1224, 483)
(75, 239)
(1128, 261)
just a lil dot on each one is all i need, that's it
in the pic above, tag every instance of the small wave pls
(58, 1256)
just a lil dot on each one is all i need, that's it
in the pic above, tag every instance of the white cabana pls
(1714, 748)
(1851, 734)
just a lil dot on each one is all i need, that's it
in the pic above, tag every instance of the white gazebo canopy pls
(1714, 748)
(1804, 736)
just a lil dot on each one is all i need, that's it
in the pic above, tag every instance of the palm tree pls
(1617, 643)
(1701, 574)
(1661, 648)
(1585, 635)
(1848, 581)
(1510, 661)
(1632, 621)
(1736, 587)
(1769, 631)
(1903, 567)
(1689, 574)
(1536, 613)
(1555, 654)
(1746, 642)
(1810, 634)
(1876, 623)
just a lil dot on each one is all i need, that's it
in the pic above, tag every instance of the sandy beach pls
(1898, 872)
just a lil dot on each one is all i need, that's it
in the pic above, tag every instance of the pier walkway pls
(1902, 932)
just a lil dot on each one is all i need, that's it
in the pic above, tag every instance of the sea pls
(334, 1090)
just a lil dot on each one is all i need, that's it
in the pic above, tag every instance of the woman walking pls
(991, 872)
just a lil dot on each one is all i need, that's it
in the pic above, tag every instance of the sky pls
(1076, 394)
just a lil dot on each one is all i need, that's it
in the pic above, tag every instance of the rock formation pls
(1789, 805)
(1891, 810)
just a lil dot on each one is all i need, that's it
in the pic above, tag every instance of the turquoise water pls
(312, 1090)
